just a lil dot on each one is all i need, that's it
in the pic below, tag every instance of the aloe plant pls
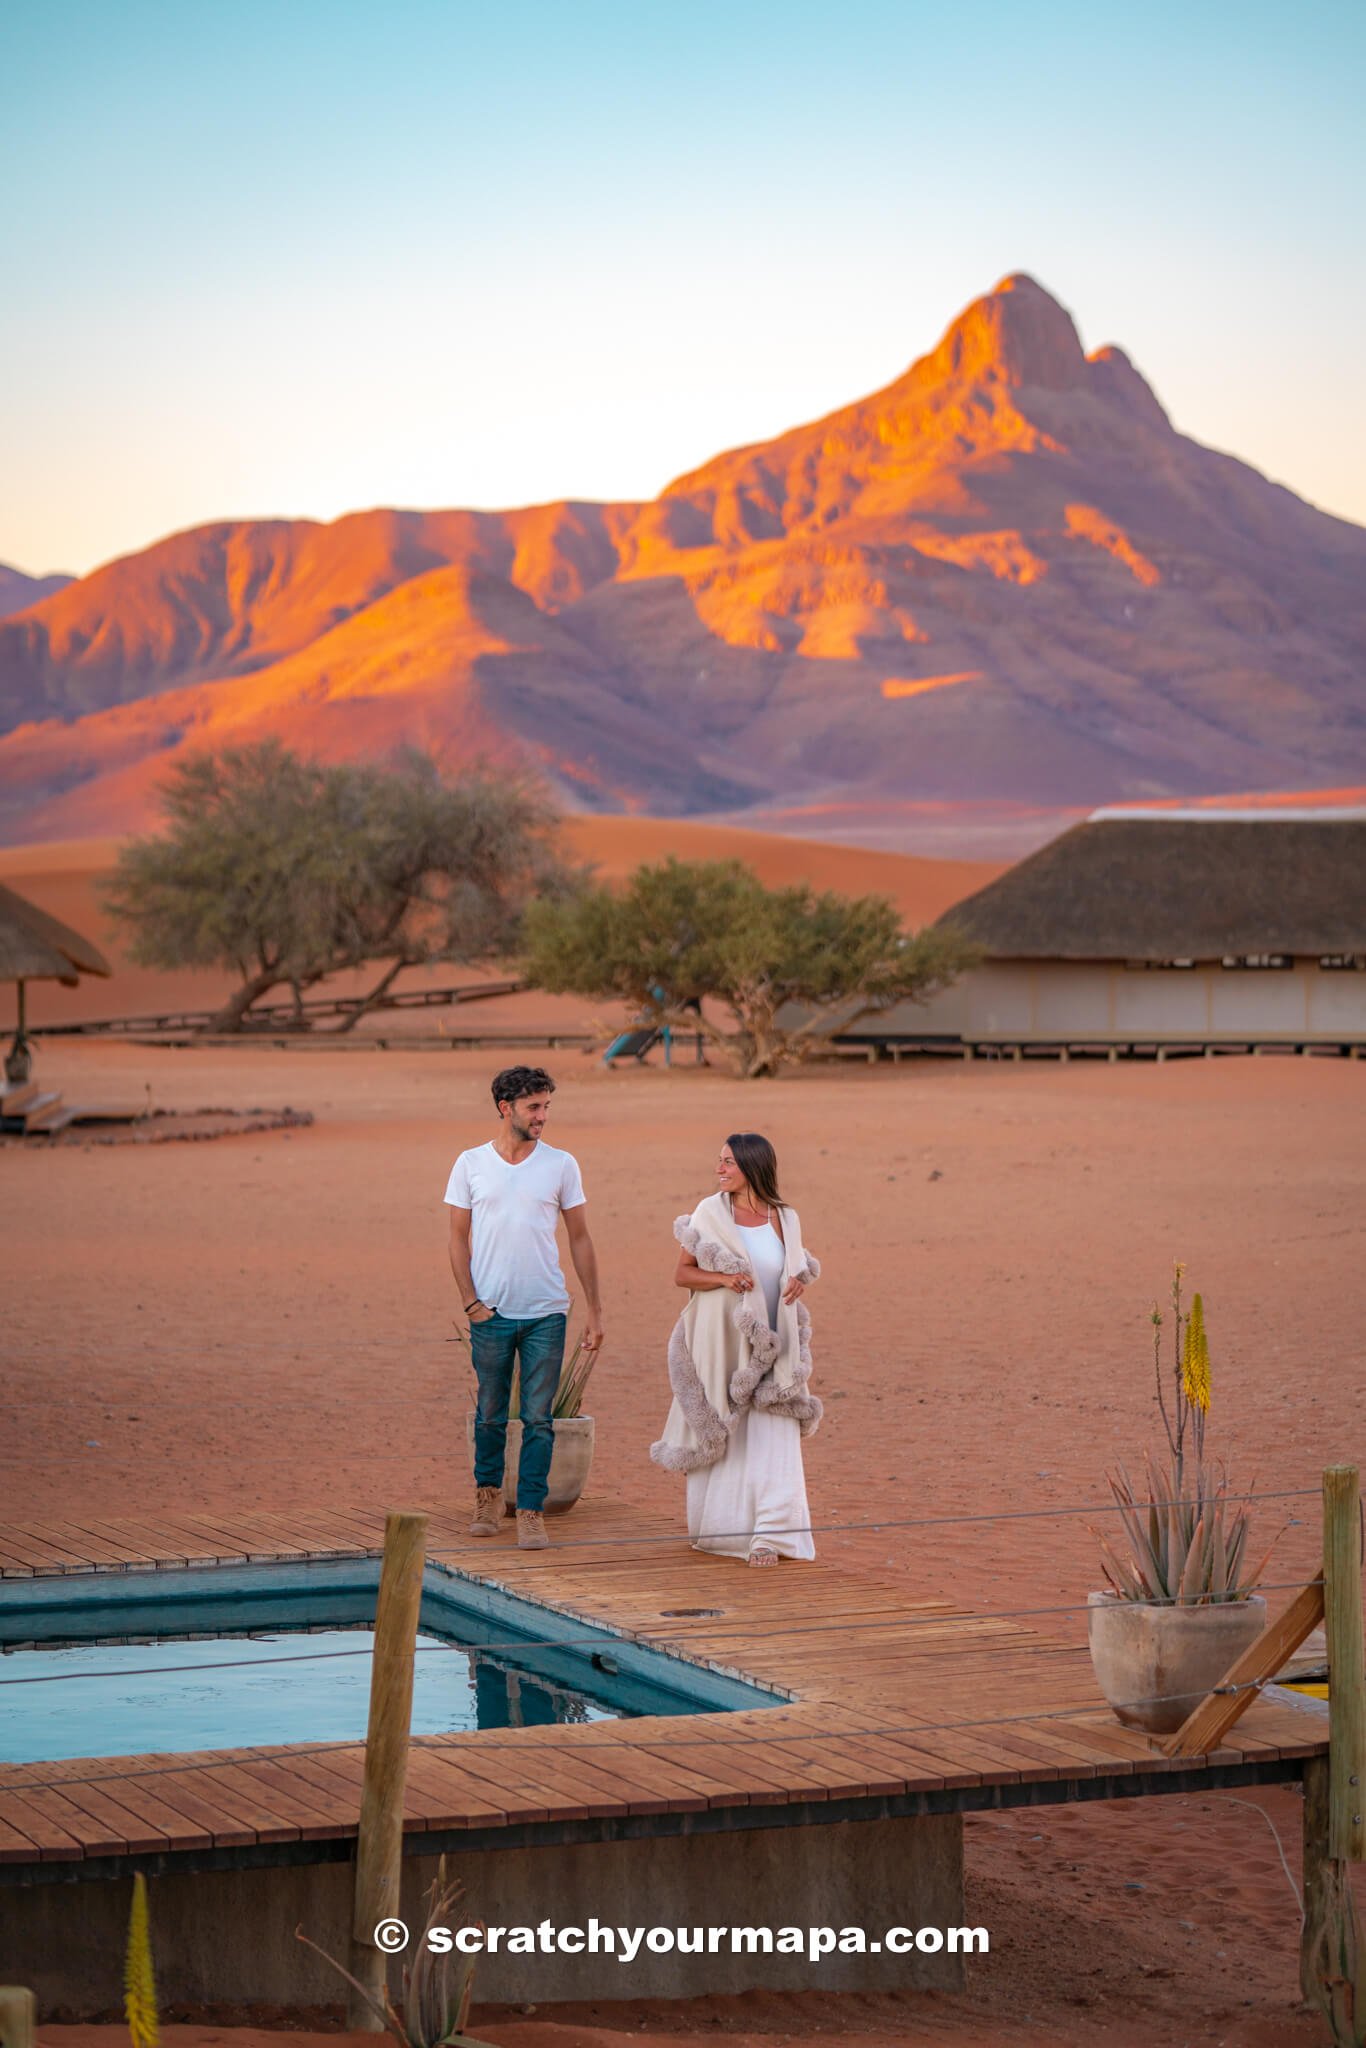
(1186, 1537)
(1187, 1541)
(437, 1985)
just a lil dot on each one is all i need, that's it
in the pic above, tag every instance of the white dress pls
(756, 1494)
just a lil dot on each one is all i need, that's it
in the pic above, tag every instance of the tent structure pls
(36, 947)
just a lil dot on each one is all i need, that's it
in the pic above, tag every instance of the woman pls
(739, 1362)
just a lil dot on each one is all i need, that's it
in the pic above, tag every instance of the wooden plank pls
(194, 1796)
(15, 1845)
(140, 1800)
(120, 1826)
(445, 1792)
(293, 1798)
(574, 1790)
(572, 1787)
(835, 1771)
(108, 1541)
(43, 1556)
(333, 1776)
(678, 1782)
(918, 1769)
(246, 1537)
(648, 1786)
(1346, 1672)
(172, 1545)
(212, 1538)
(1119, 1751)
(1210, 1720)
(241, 1803)
(735, 1771)
(333, 1535)
(506, 1790)
(58, 1828)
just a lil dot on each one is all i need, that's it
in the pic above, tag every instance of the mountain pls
(1005, 578)
(18, 591)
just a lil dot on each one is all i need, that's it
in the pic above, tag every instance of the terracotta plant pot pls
(1155, 1663)
(570, 1461)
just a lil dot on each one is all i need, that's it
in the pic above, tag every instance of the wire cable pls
(487, 1740)
(650, 1638)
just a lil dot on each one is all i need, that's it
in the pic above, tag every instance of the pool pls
(245, 1656)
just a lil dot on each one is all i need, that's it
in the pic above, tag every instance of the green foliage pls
(792, 968)
(288, 870)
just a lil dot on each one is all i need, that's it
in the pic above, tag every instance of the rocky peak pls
(1015, 335)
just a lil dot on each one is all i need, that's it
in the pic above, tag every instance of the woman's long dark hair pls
(758, 1162)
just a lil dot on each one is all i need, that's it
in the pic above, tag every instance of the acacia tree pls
(288, 870)
(791, 968)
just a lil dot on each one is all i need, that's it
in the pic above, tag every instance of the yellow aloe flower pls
(1195, 1373)
(140, 1995)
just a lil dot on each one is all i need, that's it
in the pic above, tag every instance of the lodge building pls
(1146, 930)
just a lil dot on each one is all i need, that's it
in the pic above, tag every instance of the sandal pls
(763, 1555)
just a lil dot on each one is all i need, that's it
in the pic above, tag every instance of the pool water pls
(228, 1692)
(253, 1656)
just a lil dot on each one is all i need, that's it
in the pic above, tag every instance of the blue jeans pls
(536, 1345)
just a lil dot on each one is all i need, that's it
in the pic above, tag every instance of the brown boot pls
(488, 1511)
(531, 1530)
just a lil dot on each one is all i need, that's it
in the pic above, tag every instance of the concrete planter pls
(570, 1461)
(1153, 1663)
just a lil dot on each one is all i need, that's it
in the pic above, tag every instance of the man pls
(505, 1200)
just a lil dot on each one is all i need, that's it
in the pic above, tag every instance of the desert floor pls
(269, 1321)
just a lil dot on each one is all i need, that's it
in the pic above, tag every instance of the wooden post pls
(1321, 1877)
(1346, 1672)
(17, 2017)
(379, 1844)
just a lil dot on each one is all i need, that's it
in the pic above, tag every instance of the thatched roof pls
(36, 947)
(1191, 887)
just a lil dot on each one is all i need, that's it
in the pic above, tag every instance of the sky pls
(303, 257)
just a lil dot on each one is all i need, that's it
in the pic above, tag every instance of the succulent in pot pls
(1180, 1604)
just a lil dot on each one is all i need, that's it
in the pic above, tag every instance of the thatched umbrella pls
(36, 947)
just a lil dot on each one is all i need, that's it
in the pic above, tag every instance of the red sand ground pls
(266, 1321)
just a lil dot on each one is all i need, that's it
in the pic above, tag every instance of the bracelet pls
(476, 1303)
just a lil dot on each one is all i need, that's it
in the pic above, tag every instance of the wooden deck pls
(898, 1705)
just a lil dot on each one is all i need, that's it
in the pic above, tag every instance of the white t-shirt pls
(513, 1214)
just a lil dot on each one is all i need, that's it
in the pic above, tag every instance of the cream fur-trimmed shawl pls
(723, 1357)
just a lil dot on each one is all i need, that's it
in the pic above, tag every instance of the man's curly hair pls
(515, 1082)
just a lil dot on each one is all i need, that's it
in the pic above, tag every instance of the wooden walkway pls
(897, 1705)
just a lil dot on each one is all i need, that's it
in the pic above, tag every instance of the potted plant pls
(1179, 1605)
(572, 1458)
